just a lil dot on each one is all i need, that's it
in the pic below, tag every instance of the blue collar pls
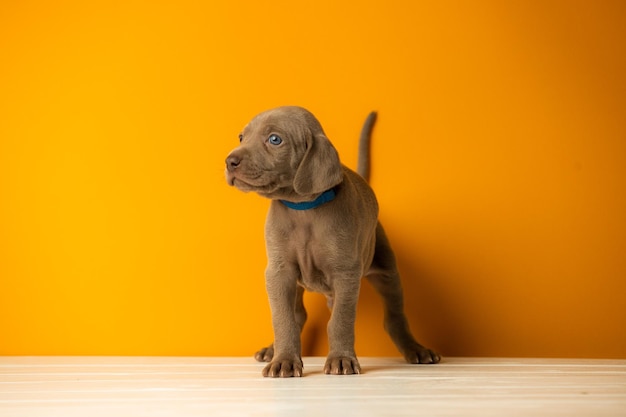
(325, 197)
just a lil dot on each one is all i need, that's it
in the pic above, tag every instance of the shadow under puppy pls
(322, 234)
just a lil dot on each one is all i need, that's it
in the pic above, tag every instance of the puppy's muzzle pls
(233, 162)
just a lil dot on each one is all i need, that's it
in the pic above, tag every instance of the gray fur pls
(364, 162)
(327, 249)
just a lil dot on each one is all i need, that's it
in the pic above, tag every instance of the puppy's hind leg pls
(384, 276)
(266, 354)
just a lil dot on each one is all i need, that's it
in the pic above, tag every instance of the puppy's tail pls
(363, 165)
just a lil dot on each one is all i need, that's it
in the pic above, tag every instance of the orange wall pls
(499, 162)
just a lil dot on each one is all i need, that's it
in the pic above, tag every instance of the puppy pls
(322, 234)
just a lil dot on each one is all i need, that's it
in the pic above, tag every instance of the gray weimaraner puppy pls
(322, 234)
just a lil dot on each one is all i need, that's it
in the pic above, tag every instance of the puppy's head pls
(284, 154)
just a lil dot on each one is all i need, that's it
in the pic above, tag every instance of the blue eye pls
(275, 139)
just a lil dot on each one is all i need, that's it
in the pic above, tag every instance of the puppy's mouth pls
(247, 183)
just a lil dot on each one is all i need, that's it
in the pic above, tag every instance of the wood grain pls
(194, 386)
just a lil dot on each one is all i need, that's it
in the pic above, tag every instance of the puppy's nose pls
(232, 162)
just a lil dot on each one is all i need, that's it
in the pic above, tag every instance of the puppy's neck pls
(325, 197)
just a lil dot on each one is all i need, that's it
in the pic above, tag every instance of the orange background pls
(499, 160)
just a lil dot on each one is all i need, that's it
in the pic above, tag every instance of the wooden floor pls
(155, 386)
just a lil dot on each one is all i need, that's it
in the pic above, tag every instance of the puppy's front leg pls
(341, 358)
(282, 292)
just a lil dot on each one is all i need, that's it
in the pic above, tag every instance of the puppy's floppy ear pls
(320, 169)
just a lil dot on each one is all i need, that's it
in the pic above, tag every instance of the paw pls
(283, 368)
(265, 355)
(342, 365)
(420, 354)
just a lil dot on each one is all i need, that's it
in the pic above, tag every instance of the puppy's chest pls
(313, 274)
(314, 253)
